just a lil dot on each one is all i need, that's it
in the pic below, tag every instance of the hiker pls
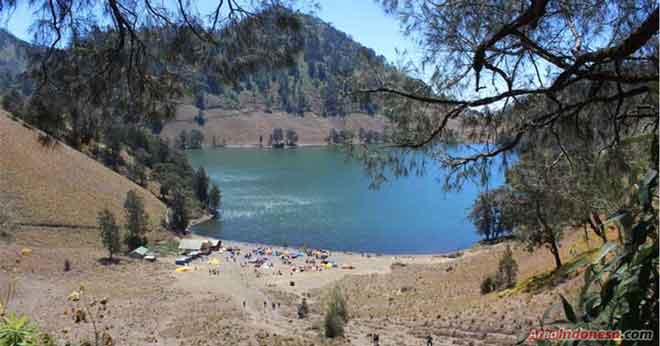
(376, 340)
(265, 304)
(273, 306)
(429, 340)
(244, 305)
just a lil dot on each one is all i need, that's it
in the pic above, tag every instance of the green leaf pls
(568, 310)
(604, 250)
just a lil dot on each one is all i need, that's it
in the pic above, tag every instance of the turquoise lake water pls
(317, 197)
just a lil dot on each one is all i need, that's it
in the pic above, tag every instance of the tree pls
(542, 76)
(291, 137)
(620, 290)
(195, 139)
(482, 215)
(214, 200)
(137, 174)
(507, 269)
(112, 152)
(181, 141)
(109, 232)
(542, 210)
(130, 57)
(180, 212)
(137, 221)
(13, 102)
(201, 185)
(490, 214)
(277, 137)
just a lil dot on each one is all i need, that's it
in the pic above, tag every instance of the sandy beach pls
(278, 274)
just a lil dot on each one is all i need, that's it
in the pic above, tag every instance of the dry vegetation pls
(244, 127)
(57, 185)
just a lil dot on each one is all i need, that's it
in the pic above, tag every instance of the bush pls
(17, 330)
(334, 325)
(336, 314)
(507, 270)
(488, 285)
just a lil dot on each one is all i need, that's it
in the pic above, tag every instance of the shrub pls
(336, 314)
(505, 277)
(17, 330)
(488, 284)
(334, 325)
(507, 270)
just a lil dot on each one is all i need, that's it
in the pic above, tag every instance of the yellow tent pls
(214, 262)
(183, 269)
(328, 266)
(26, 252)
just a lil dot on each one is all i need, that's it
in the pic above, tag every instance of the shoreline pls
(450, 255)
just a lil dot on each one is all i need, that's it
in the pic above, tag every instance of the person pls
(244, 304)
(376, 340)
(429, 340)
(265, 304)
(273, 306)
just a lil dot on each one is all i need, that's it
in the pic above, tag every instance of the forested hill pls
(312, 84)
(14, 60)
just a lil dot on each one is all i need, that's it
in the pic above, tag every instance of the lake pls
(317, 197)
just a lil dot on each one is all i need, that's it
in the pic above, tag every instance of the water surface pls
(317, 197)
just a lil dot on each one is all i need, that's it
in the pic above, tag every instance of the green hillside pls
(314, 83)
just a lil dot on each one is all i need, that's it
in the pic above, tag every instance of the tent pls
(214, 262)
(190, 245)
(140, 252)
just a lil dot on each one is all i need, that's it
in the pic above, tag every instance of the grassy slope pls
(59, 185)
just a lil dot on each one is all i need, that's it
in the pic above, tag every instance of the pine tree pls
(180, 212)
(109, 232)
(137, 221)
(201, 185)
(214, 200)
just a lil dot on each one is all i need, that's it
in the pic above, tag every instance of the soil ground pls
(403, 299)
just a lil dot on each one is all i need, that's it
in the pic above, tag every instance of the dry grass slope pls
(57, 185)
(244, 127)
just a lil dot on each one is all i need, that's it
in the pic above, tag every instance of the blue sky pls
(364, 20)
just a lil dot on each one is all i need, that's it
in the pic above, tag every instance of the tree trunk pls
(549, 235)
(586, 236)
(597, 226)
(555, 252)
